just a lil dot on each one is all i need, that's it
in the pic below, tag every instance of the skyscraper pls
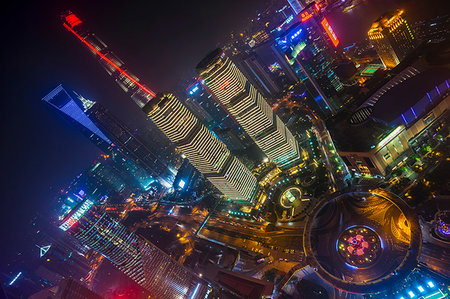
(201, 147)
(310, 48)
(210, 156)
(111, 136)
(110, 62)
(230, 87)
(136, 257)
(392, 38)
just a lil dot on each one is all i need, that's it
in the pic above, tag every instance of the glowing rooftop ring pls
(289, 196)
(359, 246)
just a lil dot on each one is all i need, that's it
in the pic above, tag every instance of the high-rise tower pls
(392, 38)
(208, 154)
(231, 88)
(136, 257)
(111, 136)
(204, 150)
(311, 49)
(110, 62)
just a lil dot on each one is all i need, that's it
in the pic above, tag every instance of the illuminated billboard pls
(330, 32)
(87, 204)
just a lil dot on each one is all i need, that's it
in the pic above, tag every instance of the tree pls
(270, 275)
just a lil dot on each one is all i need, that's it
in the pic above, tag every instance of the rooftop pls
(406, 94)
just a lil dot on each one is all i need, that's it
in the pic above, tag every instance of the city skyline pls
(310, 155)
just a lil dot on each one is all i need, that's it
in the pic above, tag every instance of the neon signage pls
(305, 16)
(330, 32)
(72, 220)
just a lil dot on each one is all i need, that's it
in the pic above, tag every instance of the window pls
(369, 162)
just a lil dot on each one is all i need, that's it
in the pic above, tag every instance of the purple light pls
(404, 119)
(438, 91)
(429, 98)
(414, 113)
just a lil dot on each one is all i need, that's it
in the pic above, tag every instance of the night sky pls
(160, 41)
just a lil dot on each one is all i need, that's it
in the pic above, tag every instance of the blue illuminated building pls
(117, 141)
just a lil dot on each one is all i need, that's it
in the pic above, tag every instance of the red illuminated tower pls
(110, 62)
(204, 151)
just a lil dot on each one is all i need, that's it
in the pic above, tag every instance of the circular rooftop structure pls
(291, 197)
(362, 242)
(359, 246)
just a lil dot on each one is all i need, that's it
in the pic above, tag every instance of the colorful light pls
(330, 32)
(73, 219)
(73, 20)
(15, 278)
(110, 62)
(305, 16)
(224, 84)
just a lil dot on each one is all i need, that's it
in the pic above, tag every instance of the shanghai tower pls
(226, 83)
(205, 152)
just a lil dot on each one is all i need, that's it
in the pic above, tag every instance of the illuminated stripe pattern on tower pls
(208, 154)
(110, 62)
(204, 150)
(231, 88)
(136, 257)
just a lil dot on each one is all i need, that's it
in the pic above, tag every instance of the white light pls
(195, 291)
(15, 278)
(411, 294)
(181, 184)
(421, 289)
(430, 284)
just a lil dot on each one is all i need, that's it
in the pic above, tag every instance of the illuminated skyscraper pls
(310, 48)
(392, 38)
(110, 62)
(201, 147)
(111, 136)
(230, 87)
(210, 156)
(136, 257)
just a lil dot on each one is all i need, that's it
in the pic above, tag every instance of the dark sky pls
(161, 42)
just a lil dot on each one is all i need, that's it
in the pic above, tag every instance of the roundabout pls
(362, 242)
(359, 246)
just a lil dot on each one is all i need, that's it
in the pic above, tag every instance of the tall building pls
(111, 136)
(229, 86)
(201, 147)
(136, 257)
(392, 38)
(255, 72)
(209, 155)
(310, 47)
(110, 62)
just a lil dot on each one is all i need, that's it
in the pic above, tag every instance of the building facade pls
(136, 257)
(392, 38)
(208, 154)
(112, 136)
(229, 86)
(415, 128)
(310, 47)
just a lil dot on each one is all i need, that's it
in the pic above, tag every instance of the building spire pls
(87, 104)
